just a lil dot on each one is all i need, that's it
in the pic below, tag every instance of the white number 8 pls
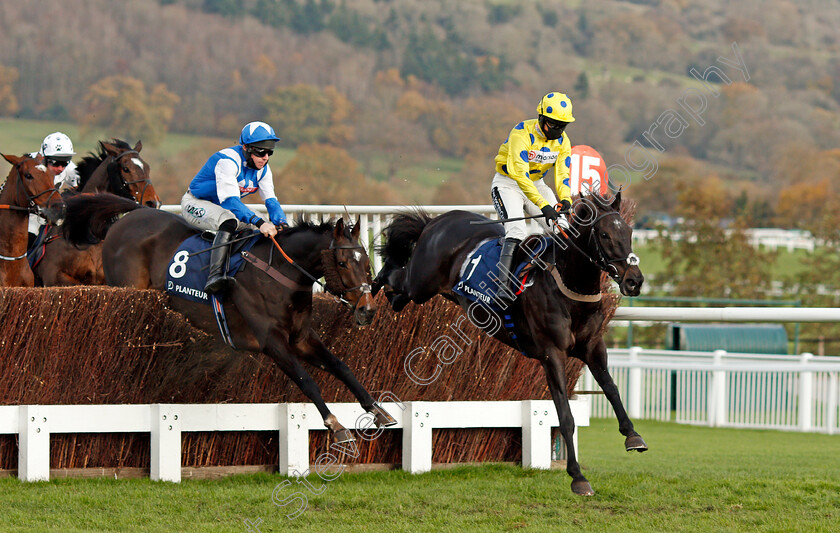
(179, 264)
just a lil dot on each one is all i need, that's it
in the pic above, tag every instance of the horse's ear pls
(617, 202)
(110, 149)
(138, 146)
(13, 159)
(338, 230)
(357, 227)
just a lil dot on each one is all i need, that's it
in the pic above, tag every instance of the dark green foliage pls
(226, 8)
(549, 17)
(502, 13)
(581, 86)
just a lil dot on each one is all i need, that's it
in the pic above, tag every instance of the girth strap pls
(275, 274)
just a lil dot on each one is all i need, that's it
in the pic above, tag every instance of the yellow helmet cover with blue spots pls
(557, 106)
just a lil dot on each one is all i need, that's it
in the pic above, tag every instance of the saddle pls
(479, 275)
(189, 267)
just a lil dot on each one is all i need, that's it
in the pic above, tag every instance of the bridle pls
(601, 260)
(364, 288)
(145, 180)
(329, 287)
(31, 206)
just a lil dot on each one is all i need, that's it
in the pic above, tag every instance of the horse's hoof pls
(635, 442)
(343, 435)
(582, 488)
(382, 418)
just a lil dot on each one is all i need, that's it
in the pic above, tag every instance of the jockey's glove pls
(564, 206)
(550, 213)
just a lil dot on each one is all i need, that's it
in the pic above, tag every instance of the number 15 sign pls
(587, 171)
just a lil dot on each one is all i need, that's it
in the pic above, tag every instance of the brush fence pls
(293, 421)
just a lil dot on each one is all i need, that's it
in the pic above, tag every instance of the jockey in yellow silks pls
(531, 150)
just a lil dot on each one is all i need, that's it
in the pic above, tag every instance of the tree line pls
(389, 84)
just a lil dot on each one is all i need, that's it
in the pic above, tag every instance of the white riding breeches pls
(206, 215)
(511, 202)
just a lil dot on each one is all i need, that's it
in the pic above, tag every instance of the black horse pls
(270, 308)
(559, 316)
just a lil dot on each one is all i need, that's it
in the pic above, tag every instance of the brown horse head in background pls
(118, 168)
(29, 189)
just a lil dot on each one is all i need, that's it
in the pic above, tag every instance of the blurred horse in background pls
(116, 168)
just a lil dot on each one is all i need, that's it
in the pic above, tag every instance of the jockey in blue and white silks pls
(226, 178)
(213, 201)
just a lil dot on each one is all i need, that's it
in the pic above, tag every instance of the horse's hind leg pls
(282, 354)
(556, 375)
(315, 353)
(597, 363)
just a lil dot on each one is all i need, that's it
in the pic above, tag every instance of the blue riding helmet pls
(258, 134)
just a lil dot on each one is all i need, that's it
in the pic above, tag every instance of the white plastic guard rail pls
(793, 392)
(166, 422)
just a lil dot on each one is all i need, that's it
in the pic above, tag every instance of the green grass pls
(786, 264)
(692, 479)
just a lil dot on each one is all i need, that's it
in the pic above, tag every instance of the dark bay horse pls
(116, 168)
(559, 316)
(270, 308)
(28, 189)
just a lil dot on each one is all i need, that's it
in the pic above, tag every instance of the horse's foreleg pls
(315, 353)
(284, 356)
(556, 375)
(597, 363)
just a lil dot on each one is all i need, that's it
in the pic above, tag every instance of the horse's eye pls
(125, 169)
(28, 176)
(342, 264)
(604, 235)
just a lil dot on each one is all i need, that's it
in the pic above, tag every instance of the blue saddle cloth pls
(187, 275)
(480, 277)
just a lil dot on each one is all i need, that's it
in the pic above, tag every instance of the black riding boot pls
(503, 296)
(218, 280)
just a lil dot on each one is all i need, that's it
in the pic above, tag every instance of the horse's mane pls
(302, 225)
(91, 162)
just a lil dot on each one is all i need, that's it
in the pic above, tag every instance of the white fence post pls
(166, 443)
(294, 439)
(831, 407)
(34, 444)
(634, 385)
(417, 438)
(717, 393)
(536, 435)
(806, 394)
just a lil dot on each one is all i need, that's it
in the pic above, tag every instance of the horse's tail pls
(89, 216)
(401, 236)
